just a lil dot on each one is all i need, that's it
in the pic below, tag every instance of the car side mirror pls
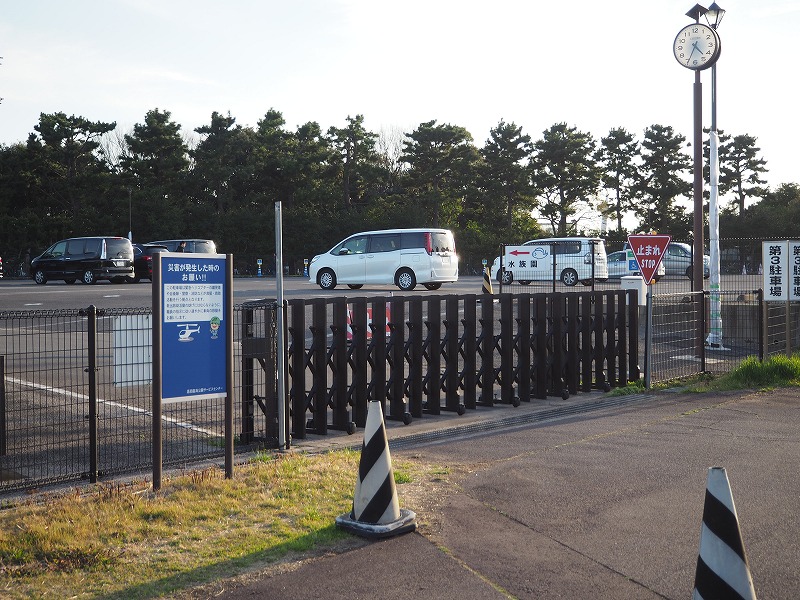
(344, 251)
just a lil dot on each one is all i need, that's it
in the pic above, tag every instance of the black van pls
(89, 259)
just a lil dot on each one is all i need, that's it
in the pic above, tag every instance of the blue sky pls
(594, 65)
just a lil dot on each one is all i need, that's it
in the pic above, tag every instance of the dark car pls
(621, 264)
(188, 245)
(143, 260)
(89, 259)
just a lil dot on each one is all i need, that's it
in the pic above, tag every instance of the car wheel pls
(506, 277)
(326, 279)
(405, 280)
(69, 281)
(39, 277)
(569, 277)
(432, 286)
(355, 286)
(689, 272)
(135, 280)
(89, 278)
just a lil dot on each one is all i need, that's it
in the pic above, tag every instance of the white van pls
(403, 257)
(569, 260)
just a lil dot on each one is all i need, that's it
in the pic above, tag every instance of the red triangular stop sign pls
(648, 250)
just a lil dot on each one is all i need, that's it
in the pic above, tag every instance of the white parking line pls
(128, 407)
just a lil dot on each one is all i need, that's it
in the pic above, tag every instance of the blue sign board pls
(193, 331)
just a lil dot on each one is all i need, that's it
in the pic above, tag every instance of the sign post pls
(648, 250)
(192, 338)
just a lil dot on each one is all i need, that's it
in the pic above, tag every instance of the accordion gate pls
(421, 355)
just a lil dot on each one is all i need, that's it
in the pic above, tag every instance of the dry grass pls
(125, 541)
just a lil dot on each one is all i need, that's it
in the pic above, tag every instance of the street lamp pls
(713, 17)
(130, 215)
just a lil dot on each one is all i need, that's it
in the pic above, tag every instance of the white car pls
(403, 257)
(678, 260)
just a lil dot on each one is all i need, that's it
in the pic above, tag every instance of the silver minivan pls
(403, 257)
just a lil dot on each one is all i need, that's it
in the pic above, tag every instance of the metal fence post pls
(91, 332)
(703, 307)
(761, 322)
(3, 448)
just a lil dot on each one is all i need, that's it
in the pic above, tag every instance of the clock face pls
(696, 46)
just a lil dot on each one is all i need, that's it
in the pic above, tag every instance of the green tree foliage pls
(355, 157)
(154, 165)
(741, 169)
(503, 174)
(441, 160)
(620, 178)
(664, 180)
(566, 173)
(776, 217)
(73, 176)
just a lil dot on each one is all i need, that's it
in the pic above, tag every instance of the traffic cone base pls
(405, 524)
(376, 511)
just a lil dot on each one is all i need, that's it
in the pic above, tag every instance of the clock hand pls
(694, 47)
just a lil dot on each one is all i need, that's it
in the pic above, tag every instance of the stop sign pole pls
(648, 251)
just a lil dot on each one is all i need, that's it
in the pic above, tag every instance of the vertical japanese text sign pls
(193, 338)
(781, 270)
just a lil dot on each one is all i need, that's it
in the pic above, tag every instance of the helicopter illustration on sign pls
(185, 334)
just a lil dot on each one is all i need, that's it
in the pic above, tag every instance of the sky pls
(593, 65)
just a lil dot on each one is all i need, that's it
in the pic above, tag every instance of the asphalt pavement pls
(592, 497)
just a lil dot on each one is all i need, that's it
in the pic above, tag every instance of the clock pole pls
(698, 245)
(697, 193)
(697, 47)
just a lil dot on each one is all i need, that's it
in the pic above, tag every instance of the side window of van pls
(94, 246)
(567, 248)
(58, 249)
(354, 245)
(76, 247)
(384, 242)
(412, 239)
